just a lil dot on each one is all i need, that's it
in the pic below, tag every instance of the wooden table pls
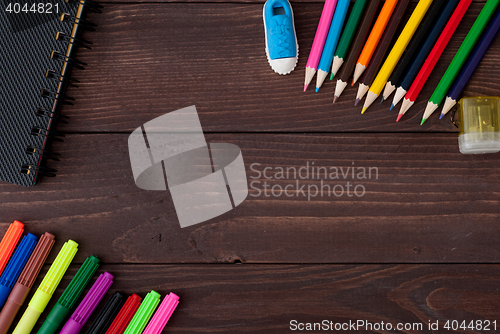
(421, 244)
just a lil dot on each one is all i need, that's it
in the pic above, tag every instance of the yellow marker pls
(46, 289)
(396, 52)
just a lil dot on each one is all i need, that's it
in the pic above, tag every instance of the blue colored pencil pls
(474, 60)
(332, 40)
(424, 52)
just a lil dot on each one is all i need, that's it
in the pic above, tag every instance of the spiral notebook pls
(37, 54)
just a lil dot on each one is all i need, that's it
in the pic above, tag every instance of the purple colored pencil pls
(88, 305)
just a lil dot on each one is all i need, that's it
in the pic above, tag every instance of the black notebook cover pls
(28, 119)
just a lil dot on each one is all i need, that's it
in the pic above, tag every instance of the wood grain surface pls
(420, 244)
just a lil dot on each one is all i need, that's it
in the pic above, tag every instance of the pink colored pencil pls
(319, 40)
(434, 56)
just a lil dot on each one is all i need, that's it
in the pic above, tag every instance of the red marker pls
(125, 315)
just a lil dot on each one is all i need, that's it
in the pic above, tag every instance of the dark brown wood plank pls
(265, 298)
(429, 204)
(149, 59)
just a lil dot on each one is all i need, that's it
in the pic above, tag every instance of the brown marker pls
(25, 281)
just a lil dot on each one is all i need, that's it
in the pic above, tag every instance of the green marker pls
(347, 35)
(60, 312)
(144, 313)
(461, 56)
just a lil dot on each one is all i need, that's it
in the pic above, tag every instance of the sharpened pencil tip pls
(305, 87)
(392, 107)
(363, 111)
(399, 117)
(423, 121)
(335, 98)
(356, 102)
(317, 89)
(382, 100)
(332, 76)
(441, 116)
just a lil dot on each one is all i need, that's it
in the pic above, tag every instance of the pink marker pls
(164, 312)
(319, 40)
(88, 305)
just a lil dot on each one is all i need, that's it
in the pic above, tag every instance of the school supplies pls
(434, 56)
(348, 34)
(355, 50)
(377, 59)
(16, 265)
(319, 40)
(60, 312)
(25, 281)
(88, 305)
(125, 315)
(474, 60)
(9, 242)
(161, 317)
(282, 49)
(107, 314)
(412, 49)
(144, 313)
(479, 125)
(325, 62)
(396, 52)
(375, 36)
(46, 289)
(38, 50)
(460, 58)
(422, 53)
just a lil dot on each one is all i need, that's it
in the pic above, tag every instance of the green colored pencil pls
(347, 35)
(461, 56)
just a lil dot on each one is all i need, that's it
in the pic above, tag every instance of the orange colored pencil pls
(375, 35)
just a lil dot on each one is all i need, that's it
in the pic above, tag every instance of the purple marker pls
(83, 312)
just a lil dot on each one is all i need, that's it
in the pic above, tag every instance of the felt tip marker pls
(161, 317)
(15, 266)
(9, 242)
(144, 313)
(125, 315)
(25, 281)
(107, 314)
(46, 289)
(88, 305)
(60, 312)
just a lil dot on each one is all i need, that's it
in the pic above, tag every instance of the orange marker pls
(9, 242)
(374, 38)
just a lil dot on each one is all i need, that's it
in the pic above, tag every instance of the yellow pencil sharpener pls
(479, 125)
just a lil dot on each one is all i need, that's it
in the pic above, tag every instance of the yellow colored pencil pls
(396, 52)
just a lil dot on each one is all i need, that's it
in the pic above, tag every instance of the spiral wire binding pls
(59, 97)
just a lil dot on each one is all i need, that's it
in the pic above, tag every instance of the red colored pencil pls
(434, 56)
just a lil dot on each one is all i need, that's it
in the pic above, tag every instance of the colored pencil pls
(423, 52)
(355, 50)
(396, 52)
(383, 46)
(434, 55)
(332, 40)
(474, 60)
(460, 57)
(347, 35)
(319, 40)
(375, 36)
(413, 47)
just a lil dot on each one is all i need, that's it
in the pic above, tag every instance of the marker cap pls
(107, 314)
(125, 315)
(144, 313)
(9, 242)
(16, 265)
(60, 312)
(162, 315)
